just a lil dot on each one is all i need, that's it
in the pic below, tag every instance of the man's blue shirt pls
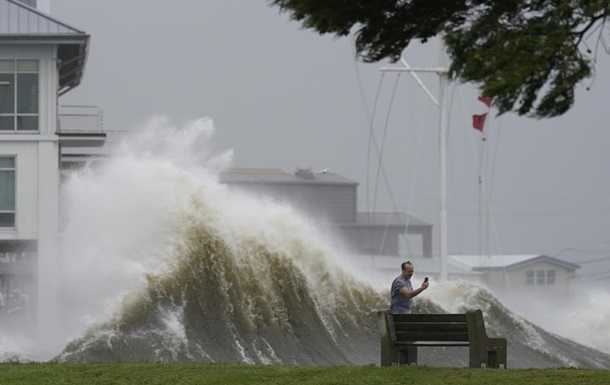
(400, 304)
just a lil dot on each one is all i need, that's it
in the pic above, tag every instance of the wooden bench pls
(402, 334)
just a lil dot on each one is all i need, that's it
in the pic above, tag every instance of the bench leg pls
(393, 356)
(478, 355)
(408, 355)
(496, 353)
(389, 354)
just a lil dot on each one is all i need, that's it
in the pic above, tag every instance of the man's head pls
(407, 269)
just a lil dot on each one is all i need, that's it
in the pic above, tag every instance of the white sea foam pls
(458, 296)
(17, 349)
(123, 218)
(174, 335)
(583, 318)
(242, 351)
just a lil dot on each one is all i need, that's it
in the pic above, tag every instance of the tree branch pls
(581, 34)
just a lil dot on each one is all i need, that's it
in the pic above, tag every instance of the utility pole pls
(443, 75)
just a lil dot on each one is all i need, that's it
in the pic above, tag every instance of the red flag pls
(478, 121)
(485, 100)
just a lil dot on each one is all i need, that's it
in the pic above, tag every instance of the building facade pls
(523, 276)
(41, 58)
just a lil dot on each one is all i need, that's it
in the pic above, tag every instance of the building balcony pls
(81, 126)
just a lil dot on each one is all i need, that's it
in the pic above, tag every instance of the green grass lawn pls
(175, 374)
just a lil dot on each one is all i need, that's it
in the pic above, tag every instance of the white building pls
(540, 276)
(41, 58)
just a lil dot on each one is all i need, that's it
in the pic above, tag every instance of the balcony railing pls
(80, 119)
(81, 126)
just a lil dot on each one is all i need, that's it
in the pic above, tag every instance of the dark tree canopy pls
(528, 55)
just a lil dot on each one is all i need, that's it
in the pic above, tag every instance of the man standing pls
(402, 292)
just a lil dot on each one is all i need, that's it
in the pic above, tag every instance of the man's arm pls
(410, 293)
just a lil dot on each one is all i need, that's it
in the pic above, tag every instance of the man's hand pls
(424, 285)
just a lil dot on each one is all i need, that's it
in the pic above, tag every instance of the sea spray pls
(163, 263)
(121, 216)
(241, 303)
(134, 217)
(529, 344)
(583, 317)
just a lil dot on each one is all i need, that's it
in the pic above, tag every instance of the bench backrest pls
(467, 327)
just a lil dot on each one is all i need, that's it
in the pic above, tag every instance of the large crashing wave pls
(239, 304)
(231, 278)
(248, 304)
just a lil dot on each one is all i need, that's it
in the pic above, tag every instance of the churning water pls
(161, 262)
(203, 272)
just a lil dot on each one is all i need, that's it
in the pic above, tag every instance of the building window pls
(19, 95)
(7, 192)
(540, 277)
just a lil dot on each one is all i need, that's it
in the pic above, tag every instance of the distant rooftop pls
(392, 219)
(423, 265)
(511, 261)
(20, 23)
(279, 176)
(491, 261)
(472, 264)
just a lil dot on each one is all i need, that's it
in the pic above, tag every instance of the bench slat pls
(432, 326)
(431, 336)
(433, 344)
(429, 317)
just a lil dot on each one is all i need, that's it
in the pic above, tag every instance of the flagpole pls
(442, 132)
(443, 75)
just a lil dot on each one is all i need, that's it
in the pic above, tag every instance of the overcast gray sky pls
(286, 97)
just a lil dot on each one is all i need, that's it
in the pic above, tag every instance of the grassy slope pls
(178, 374)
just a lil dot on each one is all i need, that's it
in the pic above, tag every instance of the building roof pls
(391, 219)
(22, 24)
(508, 262)
(595, 264)
(279, 176)
(19, 18)
(423, 265)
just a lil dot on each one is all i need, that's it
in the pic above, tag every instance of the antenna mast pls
(443, 76)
